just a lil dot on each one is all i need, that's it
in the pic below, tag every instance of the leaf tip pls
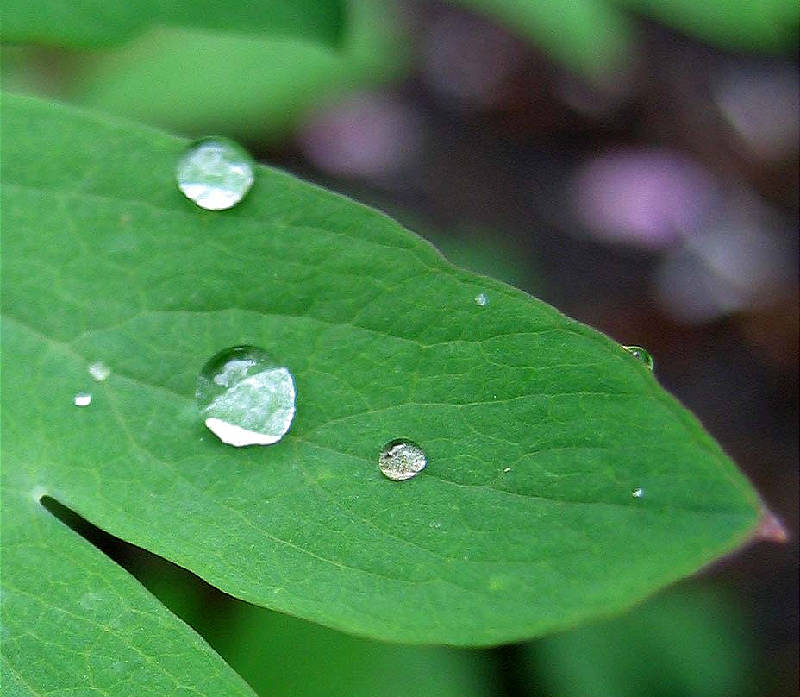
(770, 528)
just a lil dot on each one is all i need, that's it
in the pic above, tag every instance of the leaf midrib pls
(651, 389)
(136, 381)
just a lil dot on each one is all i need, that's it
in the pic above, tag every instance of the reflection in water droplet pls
(481, 299)
(245, 398)
(215, 173)
(401, 459)
(99, 371)
(82, 399)
(641, 355)
(637, 493)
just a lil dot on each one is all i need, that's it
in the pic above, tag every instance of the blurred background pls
(632, 162)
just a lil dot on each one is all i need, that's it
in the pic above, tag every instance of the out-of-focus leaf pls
(765, 25)
(87, 23)
(198, 82)
(284, 657)
(589, 36)
(484, 252)
(596, 37)
(687, 641)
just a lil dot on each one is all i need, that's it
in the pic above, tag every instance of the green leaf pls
(688, 641)
(596, 38)
(767, 25)
(344, 666)
(73, 620)
(199, 82)
(81, 24)
(487, 253)
(536, 428)
(282, 656)
(588, 36)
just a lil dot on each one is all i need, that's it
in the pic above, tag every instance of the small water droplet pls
(82, 399)
(506, 469)
(245, 398)
(99, 371)
(215, 173)
(402, 459)
(91, 601)
(637, 493)
(481, 299)
(641, 355)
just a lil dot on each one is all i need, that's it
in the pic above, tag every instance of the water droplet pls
(641, 355)
(245, 398)
(401, 459)
(82, 399)
(506, 469)
(481, 299)
(91, 601)
(99, 371)
(637, 493)
(215, 173)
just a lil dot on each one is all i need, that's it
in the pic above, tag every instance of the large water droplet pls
(641, 355)
(215, 173)
(245, 398)
(82, 399)
(481, 299)
(402, 459)
(99, 371)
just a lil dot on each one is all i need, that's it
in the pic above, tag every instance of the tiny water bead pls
(215, 173)
(637, 493)
(401, 459)
(641, 355)
(82, 399)
(245, 398)
(99, 371)
(481, 299)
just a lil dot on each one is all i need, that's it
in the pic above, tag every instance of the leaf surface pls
(86, 23)
(536, 427)
(76, 623)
